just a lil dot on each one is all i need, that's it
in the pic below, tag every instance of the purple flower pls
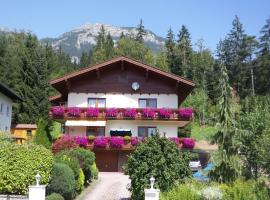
(92, 112)
(74, 112)
(188, 143)
(100, 142)
(130, 112)
(111, 112)
(165, 113)
(117, 142)
(58, 111)
(134, 141)
(185, 112)
(82, 141)
(149, 112)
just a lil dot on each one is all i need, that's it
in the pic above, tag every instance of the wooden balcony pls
(64, 113)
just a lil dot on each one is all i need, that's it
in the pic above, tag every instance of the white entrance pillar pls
(37, 192)
(152, 193)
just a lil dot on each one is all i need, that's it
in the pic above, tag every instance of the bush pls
(94, 171)
(63, 181)
(86, 159)
(20, 163)
(73, 163)
(42, 134)
(64, 143)
(159, 157)
(54, 196)
(182, 192)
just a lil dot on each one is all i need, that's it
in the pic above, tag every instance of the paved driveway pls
(110, 186)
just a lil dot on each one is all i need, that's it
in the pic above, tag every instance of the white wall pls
(5, 119)
(122, 100)
(169, 127)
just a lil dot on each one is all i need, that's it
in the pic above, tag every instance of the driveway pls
(110, 186)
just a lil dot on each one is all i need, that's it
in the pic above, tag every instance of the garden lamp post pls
(152, 182)
(37, 179)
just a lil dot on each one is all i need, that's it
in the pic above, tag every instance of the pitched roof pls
(126, 59)
(9, 93)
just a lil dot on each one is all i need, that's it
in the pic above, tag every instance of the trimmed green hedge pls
(20, 163)
(54, 196)
(63, 181)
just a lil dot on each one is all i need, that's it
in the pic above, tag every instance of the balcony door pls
(145, 131)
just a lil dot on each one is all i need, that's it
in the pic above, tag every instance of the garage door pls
(107, 161)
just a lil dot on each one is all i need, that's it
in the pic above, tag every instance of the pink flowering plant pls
(176, 140)
(111, 112)
(82, 141)
(101, 142)
(185, 112)
(134, 141)
(130, 113)
(92, 112)
(165, 113)
(58, 111)
(117, 142)
(74, 112)
(188, 143)
(148, 113)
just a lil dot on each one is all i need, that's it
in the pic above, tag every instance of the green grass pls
(202, 132)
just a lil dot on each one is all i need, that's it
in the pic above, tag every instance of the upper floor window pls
(7, 111)
(148, 103)
(144, 131)
(97, 102)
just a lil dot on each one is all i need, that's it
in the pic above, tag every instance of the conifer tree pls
(170, 51)
(41, 136)
(140, 32)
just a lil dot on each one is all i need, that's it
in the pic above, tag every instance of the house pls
(23, 132)
(7, 97)
(121, 96)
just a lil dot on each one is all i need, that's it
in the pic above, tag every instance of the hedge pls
(54, 196)
(20, 163)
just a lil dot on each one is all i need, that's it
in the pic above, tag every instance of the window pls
(1, 107)
(95, 130)
(147, 103)
(29, 133)
(144, 131)
(97, 102)
(7, 111)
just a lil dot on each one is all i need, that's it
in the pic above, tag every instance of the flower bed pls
(185, 112)
(74, 112)
(165, 113)
(101, 142)
(149, 113)
(117, 142)
(130, 113)
(188, 143)
(111, 112)
(92, 112)
(58, 111)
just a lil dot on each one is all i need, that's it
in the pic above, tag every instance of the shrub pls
(73, 163)
(127, 139)
(63, 181)
(42, 134)
(130, 113)
(94, 171)
(111, 112)
(149, 113)
(63, 143)
(5, 137)
(159, 158)
(20, 163)
(92, 112)
(117, 142)
(86, 159)
(74, 112)
(165, 113)
(54, 196)
(91, 138)
(181, 192)
(188, 143)
(58, 111)
(100, 142)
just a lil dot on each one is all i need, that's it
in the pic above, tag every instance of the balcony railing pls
(182, 114)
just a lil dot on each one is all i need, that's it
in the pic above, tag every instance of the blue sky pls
(207, 19)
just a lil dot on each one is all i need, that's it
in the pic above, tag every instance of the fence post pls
(37, 192)
(152, 193)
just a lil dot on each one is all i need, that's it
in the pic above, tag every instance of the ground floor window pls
(29, 133)
(96, 130)
(146, 131)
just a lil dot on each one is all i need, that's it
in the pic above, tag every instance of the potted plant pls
(127, 142)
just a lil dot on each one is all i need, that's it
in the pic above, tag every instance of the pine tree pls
(86, 59)
(122, 36)
(109, 46)
(184, 53)
(170, 51)
(41, 136)
(140, 32)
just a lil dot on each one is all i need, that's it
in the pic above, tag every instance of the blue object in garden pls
(202, 175)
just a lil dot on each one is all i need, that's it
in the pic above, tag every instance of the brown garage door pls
(107, 161)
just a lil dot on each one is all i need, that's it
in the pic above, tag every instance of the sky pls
(209, 20)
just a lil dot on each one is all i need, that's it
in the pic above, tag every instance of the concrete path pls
(110, 186)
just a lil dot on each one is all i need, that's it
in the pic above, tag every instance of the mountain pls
(82, 38)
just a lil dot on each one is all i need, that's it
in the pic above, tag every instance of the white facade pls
(122, 100)
(5, 112)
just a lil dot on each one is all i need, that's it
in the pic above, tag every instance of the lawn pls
(202, 132)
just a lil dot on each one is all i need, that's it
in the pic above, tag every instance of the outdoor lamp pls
(37, 179)
(152, 182)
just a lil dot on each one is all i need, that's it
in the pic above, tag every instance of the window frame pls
(29, 131)
(96, 132)
(96, 101)
(147, 127)
(147, 102)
